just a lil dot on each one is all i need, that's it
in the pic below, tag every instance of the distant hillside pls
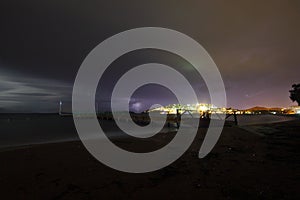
(259, 108)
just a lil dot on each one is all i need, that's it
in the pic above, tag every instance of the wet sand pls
(243, 165)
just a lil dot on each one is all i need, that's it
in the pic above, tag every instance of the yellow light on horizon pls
(203, 108)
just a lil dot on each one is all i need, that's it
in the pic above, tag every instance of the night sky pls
(255, 44)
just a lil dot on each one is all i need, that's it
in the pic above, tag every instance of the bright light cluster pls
(192, 108)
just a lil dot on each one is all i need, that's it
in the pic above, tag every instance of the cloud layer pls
(24, 94)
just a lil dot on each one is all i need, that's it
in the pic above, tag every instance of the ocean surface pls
(244, 120)
(20, 130)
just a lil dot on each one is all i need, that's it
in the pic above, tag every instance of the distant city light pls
(201, 108)
(193, 108)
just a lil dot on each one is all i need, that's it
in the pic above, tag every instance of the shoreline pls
(241, 164)
(69, 133)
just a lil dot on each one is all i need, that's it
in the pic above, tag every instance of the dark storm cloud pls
(255, 44)
(18, 94)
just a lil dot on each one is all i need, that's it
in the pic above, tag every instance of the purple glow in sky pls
(255, 44)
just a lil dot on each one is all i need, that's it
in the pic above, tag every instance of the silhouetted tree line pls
(295, 93)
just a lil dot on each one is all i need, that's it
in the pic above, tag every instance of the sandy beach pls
(242, 165)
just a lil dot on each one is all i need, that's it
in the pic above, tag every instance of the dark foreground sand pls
(243, 165)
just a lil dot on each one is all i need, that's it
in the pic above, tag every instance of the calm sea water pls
(35, 129)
